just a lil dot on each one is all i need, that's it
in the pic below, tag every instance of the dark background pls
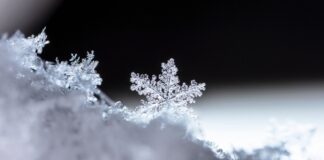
(217, 42)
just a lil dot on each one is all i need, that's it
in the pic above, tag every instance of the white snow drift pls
(53, 111)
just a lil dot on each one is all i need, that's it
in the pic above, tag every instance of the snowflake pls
(165, 90)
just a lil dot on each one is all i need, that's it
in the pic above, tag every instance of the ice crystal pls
(165, 91)
(26, 50)
(71, 75)
(76, 75)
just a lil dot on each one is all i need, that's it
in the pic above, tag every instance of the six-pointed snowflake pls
(165, 90)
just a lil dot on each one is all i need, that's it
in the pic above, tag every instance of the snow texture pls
(53, 111)
(287, 141)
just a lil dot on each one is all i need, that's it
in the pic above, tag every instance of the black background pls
(218, 42)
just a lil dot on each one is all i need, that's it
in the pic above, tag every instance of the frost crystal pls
(26, 49)
(72, 75)
(165, 91)
(76, 75)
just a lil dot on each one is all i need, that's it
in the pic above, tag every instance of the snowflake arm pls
(38, 42)
(187, 93)
(144, 86)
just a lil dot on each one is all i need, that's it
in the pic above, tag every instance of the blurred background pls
(260, 60)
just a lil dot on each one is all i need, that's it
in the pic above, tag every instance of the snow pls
(245, 113)
(53, 111)
(165, 91)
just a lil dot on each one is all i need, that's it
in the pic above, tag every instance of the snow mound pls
(52, 111)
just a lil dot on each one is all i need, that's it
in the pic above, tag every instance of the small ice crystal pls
(163, 92)
(165, 89)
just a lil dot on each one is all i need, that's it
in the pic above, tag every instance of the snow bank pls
(53, 111)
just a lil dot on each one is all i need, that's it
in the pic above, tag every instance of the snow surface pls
(53, 111)
(246, 113)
